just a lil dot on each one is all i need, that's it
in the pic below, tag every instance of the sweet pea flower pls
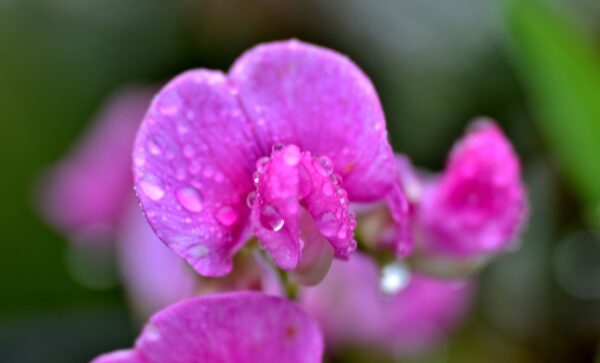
(478, 205)
(241, 327)
(278, 147)
(388, 311)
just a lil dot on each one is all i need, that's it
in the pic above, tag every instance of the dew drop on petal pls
(153, 147)
(199, 251)
(271, 219)
(190, 198)
(152, 186)
(327, 224)
(326, 165)
(292, 155)
(394, 277)
(277, 147)
(226, 215)
(260, 163)
(250, 199)
(151, 332)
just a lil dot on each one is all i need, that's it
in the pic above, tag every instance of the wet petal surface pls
(229, 328)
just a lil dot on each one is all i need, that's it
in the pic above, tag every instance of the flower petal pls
(193, 159)
(287, 182)
(85, 194)
(479, 203)
(230, 328)
(320, 101)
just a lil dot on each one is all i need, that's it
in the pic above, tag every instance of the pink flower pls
(229, 328)
(85, 195)
(295, 130)
(478, 205)
(398, 314)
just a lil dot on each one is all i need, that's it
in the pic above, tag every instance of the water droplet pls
(190, 199)
(261, 163)
(277, 147)
(153, 147)
(327, 189)
(336, 179)
(342, 232)
(226, 215)
(139, 160)
(292, 155)
(394, 277)
(152, 186)
(170, 103)
(256, 177)
(326, 165)
(250, 199)
(199, 251)
(271, 219)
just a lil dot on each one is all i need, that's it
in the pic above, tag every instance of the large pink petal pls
(86, 193)
(320, 101)
(193, 161)
(229, 328)
(478, 204)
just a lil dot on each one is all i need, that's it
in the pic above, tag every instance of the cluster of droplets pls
(333, 223)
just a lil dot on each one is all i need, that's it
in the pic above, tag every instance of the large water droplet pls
(199, 251)
(261, 163)
(271, 219)
(190, 198)
(153, 147)
(292, 155)
(250, 199)
(152, 186)
(226, 215)
(277, 147)
(326, 165)
(394, 277)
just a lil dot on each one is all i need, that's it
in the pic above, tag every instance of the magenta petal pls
(402, 241)
(153, 275)
(119, 356)
(320, 101)
(354, 311)
(479, 203)
(230, 328)
(192, 164)
(287, 182)
(86, 192)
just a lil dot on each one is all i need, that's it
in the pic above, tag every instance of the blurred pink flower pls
(208, 135)
(478, 205)
(230, 328)
(357, 307)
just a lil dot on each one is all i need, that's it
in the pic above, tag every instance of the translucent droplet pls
(327, 189)
(261, 163)
(199, 251)
(326, 165)
(342, 232)
(190, 198)
(153, 147)
(292, 155)
(336, 179)
(151, 332)
(250, 199)
(256, 177)
(226, 215)
(277, 147)
(271, 219)
(394, 277)
(152, 186)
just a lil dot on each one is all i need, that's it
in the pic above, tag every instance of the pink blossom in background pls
(229, 328)
(354, 309)
(85, 194)
(292, 128)
(478, 204)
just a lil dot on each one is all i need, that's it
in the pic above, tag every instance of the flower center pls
(299, 202)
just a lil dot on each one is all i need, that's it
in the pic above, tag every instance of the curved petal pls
(479, 203)
(193, 159)
(153, 275)
(320, 101)
(85, 194)
(119, 356)
(230, 328)
(287, 182)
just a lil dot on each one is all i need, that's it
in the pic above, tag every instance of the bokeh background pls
(532, 65)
